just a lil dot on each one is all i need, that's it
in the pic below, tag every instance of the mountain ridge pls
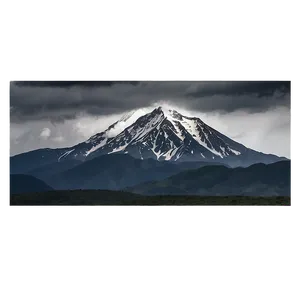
(256, 180)
(115, 171)
(161, 134)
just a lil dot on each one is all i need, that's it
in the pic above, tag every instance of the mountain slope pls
(20, 183)
(256, 180)
(161, 134)
(32, 160)
(47, 171)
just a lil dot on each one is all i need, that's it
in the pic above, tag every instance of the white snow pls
(168, 155)
(118, 149)
(178, 155)
(141, 153)
(159, 153)
(235, 151)
(140, 135)
(154, 146)
(66, 154)
(223, 150)
(165, 135)
(154, 122)
(191, 127)
(169, 114)
(94, 148)
(137, 134)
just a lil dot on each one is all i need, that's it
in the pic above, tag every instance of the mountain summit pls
(161, 134)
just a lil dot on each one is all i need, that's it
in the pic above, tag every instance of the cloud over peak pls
(64, 100)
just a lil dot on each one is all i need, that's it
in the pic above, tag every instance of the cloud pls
(119, 127)
(45, 133)
(268, 132)
(58, 139)
(59, 101)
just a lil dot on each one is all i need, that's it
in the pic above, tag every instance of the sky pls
(54, 114)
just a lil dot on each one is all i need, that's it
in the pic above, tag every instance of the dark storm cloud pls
(61, 100)
(234, 88)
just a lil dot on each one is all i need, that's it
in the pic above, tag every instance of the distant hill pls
(113, 172)
(47, 171)
(255, 180)
(20, 183)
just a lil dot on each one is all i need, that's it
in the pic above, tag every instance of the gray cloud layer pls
(268, 132)
(63, 113)
(64, 100)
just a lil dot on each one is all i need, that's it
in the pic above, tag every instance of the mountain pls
(167, 135)
(20, 183)
(47, 171)
(162, 134)
(113, 172)
(255, 180)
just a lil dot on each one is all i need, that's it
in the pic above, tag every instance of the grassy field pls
(102, 197)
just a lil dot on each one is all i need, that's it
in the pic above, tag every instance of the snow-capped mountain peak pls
(161, 133)
(166, 134)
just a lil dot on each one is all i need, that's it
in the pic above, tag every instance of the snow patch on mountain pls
(121, 148)
(96, 147)
(223, 150)
(235, 151)
(169, 154)
(141, 132)
(65, 154)
(192, 126)
(172, 116)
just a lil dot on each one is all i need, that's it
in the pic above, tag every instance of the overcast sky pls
(63, 113)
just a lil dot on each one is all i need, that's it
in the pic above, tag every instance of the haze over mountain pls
(162, 134)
